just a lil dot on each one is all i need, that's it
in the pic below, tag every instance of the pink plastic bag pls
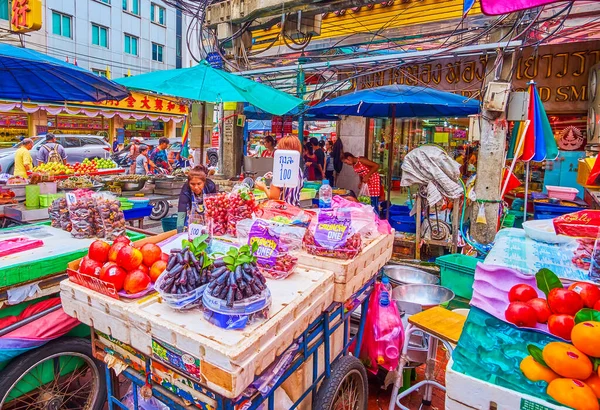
(384, 333)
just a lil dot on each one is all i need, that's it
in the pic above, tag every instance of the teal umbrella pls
(204, 83)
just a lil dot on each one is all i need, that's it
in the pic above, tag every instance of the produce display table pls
(100, 172)
(23, 214)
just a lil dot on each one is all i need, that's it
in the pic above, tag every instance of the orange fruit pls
(594, 383)
(567, 360)
(535, 371)
(573, 393)
(586, 337)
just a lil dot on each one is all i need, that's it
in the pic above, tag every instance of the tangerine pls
(567, 360)
(586, 337)
(535, 371)
(573, 393)
(594, 383)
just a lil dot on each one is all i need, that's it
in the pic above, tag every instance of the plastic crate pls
(458, 273)
(407, 224)
(397, 210)
(139, 203)
(508, 221)
(137, 213)
(550, 211)
(47, 199)
(126, 206)
(135, 236)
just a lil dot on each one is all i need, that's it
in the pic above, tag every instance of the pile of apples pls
(86, 167)
(54, 168)
(124, 266)
(527, 309)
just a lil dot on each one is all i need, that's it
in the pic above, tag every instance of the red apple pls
(563, 301)
(164, 257)
(129, 258)
(151, 253)
(144, 269)
(113, 253)
(561, 325)
(136, 281)
(157, 268)
(99, 251)
(521, 314)
(122, 238)
(542, 311)
(597, 306)
(522, 293)
(89, 266)
(112, 273)
(589, 292)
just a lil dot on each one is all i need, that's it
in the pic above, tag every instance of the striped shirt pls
(292, 195)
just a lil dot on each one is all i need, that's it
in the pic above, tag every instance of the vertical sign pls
(26, 15)
(286, 166)
(287, 125)
(120, 136)
(277, 125)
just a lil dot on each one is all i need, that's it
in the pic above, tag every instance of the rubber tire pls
(18, 365)
(329, 387)
(161, 210)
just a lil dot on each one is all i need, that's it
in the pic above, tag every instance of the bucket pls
(169, 223)
(32, 196)
(47, 188)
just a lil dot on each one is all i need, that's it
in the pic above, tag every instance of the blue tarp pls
(253, 113)
(28, 75)
(408, 101)
(259, 125)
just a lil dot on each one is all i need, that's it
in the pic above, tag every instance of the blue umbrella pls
(261, 125)
(253, 113)
(398, 101)
(28, 75)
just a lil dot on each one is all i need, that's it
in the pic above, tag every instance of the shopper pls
(291, 195)
(134, 151)
(367, 170)
(269, 147)
(329, 168)
(310, 162)
(159, 156)
(141, 161)
(23, 160)
(337, 152)
(191, 198)
(51, 151)
(320, 157)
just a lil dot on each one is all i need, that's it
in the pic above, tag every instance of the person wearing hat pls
(23, 160)
(51, 151)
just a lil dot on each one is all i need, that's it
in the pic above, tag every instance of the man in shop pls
(159, 157)
(320, 154)
(51, 151)
(23, 160)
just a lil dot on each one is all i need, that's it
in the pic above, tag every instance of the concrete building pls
(110, 37)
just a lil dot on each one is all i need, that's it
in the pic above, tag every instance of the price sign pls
(195, 230)
(71, 198)
(286, 165)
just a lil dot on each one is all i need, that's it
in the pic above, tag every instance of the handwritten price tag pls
(71, 198)
(285, 168)
(195, 230)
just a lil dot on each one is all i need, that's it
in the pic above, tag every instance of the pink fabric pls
(496, 7)
(48, 327)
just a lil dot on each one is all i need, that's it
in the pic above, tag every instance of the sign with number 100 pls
(286, 166)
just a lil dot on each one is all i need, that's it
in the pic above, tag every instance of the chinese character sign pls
(142, 102)
(26, 15)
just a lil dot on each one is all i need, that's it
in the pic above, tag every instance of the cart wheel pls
(160, 210)
(62, 374)
(346, 388)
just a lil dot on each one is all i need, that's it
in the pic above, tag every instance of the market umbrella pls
(264, 125)
(204, 83)
(532, 140)
(397, 101)
(253, 113)
(28, 75)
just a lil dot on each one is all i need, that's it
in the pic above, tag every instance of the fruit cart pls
(45, 355)
(303, 353)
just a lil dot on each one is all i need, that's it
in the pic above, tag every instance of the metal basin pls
(133, 185)
(405, 275)
(425, 296)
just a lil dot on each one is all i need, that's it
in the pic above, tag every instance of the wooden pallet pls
(345, 271)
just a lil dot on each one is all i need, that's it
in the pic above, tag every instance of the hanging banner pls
(144, 102)
(277, 125)
(497, 7)
(287, 125)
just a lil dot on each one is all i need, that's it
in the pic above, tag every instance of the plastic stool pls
(441, 325)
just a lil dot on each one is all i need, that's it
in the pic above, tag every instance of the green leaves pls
(236, 257)
(596, 363)
(547, 280)
(586, 315)
(198, 247)
(536, 353)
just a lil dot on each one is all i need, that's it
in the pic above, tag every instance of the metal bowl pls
(133, 185)
(426, 296)
(406, 275)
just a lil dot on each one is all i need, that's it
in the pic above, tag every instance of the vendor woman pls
(191, 198)
(291, 195)
(367, 170)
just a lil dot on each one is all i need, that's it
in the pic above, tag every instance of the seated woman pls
(191, 198)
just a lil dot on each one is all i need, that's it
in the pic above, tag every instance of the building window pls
(61, 24)
(99, 36)
(157, 52)
(158, 14)
(4, 9)
(131, 45)
(104, 1)
(101, 73)
(132, 6)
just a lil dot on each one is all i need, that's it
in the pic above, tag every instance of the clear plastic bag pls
(82, 212)
(282, 212)
(143, 404)
(242, 205)
(364, 219)
(59, 215)
(332, 235)
(110, 221)
(216, 210)
(363, 195)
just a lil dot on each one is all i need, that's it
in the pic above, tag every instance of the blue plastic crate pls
(139, 203)
(407, 224)
(550, 211)
(397, 210)
(137, 213)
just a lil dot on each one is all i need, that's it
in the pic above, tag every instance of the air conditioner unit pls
(593, 123)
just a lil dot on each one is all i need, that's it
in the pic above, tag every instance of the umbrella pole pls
(390, 163)
(514, 160)
(526, 191)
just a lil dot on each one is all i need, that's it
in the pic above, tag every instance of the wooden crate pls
(345, 270)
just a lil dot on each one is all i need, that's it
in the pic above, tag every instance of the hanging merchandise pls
(481, 215)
